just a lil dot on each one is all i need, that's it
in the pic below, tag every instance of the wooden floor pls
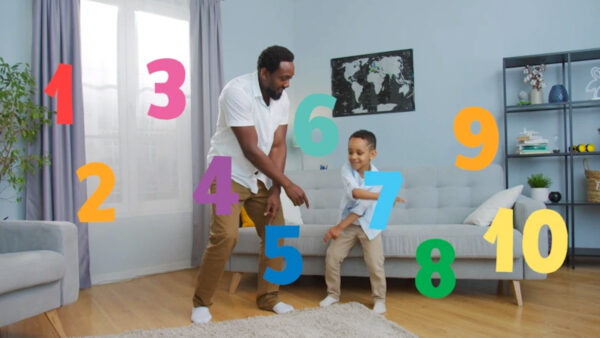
(566, 304)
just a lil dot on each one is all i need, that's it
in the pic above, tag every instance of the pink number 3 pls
(171, 88)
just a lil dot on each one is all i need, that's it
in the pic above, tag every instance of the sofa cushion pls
(25, 269)
(398, 241)
(485, 214)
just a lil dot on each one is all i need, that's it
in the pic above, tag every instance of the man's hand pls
(273, 205)
(296, 194)
(333, 232)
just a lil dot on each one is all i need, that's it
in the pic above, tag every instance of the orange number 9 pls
(487, 136)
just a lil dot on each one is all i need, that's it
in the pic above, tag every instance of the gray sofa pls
(39, 268)
(438, 201)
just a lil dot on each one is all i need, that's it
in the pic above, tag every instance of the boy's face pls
(360, 154)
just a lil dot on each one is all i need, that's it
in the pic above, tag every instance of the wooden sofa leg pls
(517, 291)
(235, 282)
(500, 287)
(54, 319)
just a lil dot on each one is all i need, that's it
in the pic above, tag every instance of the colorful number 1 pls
(62, 84)
(501, 231)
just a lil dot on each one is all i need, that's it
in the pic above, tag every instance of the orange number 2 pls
(90, 210)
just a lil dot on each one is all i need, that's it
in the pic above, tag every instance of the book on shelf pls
(532, 147)
(535, 141)
(533, 151)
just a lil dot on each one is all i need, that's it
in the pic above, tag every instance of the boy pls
(357, 206)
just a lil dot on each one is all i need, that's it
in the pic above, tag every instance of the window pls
(150, 157)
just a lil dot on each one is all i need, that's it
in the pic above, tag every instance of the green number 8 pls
(424, 276)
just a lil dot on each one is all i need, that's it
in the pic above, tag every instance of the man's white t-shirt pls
(241, 104)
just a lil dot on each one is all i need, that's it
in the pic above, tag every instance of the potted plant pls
(20, 121)
(539, 187)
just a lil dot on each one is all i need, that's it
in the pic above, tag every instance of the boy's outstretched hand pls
(399, 200)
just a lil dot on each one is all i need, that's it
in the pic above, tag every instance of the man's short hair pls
(367, 136)
(272, 56)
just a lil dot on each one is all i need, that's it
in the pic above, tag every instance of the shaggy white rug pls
(339, 320)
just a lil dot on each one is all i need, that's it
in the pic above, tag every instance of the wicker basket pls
(592, 178)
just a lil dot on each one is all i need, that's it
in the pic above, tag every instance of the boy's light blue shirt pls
(364, 208)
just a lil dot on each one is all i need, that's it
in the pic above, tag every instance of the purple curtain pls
(54, 192)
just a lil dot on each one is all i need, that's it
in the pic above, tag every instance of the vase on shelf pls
(536, 96)
(558, 93)
(539, 194)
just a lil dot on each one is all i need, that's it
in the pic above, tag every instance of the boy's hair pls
(367, 136)
(272, 56)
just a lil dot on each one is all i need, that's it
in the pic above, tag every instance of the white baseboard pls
(112, 277)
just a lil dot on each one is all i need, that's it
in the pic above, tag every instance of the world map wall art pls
(373, 83)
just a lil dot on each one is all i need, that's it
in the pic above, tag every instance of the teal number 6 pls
(304, 126)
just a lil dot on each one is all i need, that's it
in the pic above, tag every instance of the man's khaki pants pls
(373, 254)
(224, 236)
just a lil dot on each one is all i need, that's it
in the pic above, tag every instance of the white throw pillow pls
(484, 215)
(291, 213)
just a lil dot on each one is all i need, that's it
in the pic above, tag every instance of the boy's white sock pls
(201, 315)
(281, 308)
(329, 300)
(379, 307)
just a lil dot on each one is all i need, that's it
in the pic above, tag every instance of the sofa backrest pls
(434, 195)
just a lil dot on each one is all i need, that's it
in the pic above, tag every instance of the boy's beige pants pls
(373, 255)
(224, 236)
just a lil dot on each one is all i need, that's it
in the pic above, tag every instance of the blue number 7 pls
(391, 181)
(293, 259)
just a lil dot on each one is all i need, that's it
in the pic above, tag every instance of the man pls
(251, 128)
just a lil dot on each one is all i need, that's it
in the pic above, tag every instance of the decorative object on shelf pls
(531, 142)
(558, 93)
(554, 196)
(594, 85)
(592, 182)
(539, 186)
(554, 145)
(524, 98)
(534, 75)
(582, 148)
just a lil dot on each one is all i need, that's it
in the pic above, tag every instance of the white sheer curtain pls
(149, 157)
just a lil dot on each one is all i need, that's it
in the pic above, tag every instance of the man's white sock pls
(379, 307)
(201, 315)
(281, 308)
(329, 300)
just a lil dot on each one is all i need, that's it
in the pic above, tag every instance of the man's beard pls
(274, 95)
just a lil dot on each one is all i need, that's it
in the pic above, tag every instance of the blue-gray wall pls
(458, 49)
(15, 46)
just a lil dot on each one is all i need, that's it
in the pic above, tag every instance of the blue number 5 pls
(391, 181)
(293, 259)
